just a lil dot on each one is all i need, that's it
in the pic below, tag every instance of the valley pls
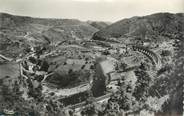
(69, 67)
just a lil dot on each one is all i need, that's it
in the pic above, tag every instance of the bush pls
(165, 53)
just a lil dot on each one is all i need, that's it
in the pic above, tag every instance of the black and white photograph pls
(91, 57)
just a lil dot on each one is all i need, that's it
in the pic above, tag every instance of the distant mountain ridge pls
(163, 24)
(45, 21)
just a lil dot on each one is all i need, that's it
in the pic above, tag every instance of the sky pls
(96, 10)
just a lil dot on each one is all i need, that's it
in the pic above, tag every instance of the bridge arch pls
(155, 59)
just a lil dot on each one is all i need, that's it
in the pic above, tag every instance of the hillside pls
(146, 27)
(18, 32)
(162, 32)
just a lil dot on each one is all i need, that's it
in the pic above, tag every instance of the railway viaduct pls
(155, 59)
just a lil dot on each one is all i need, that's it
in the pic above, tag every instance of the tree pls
(90, 108)
(142, 85)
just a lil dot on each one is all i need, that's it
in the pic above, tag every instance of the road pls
(6, 58)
